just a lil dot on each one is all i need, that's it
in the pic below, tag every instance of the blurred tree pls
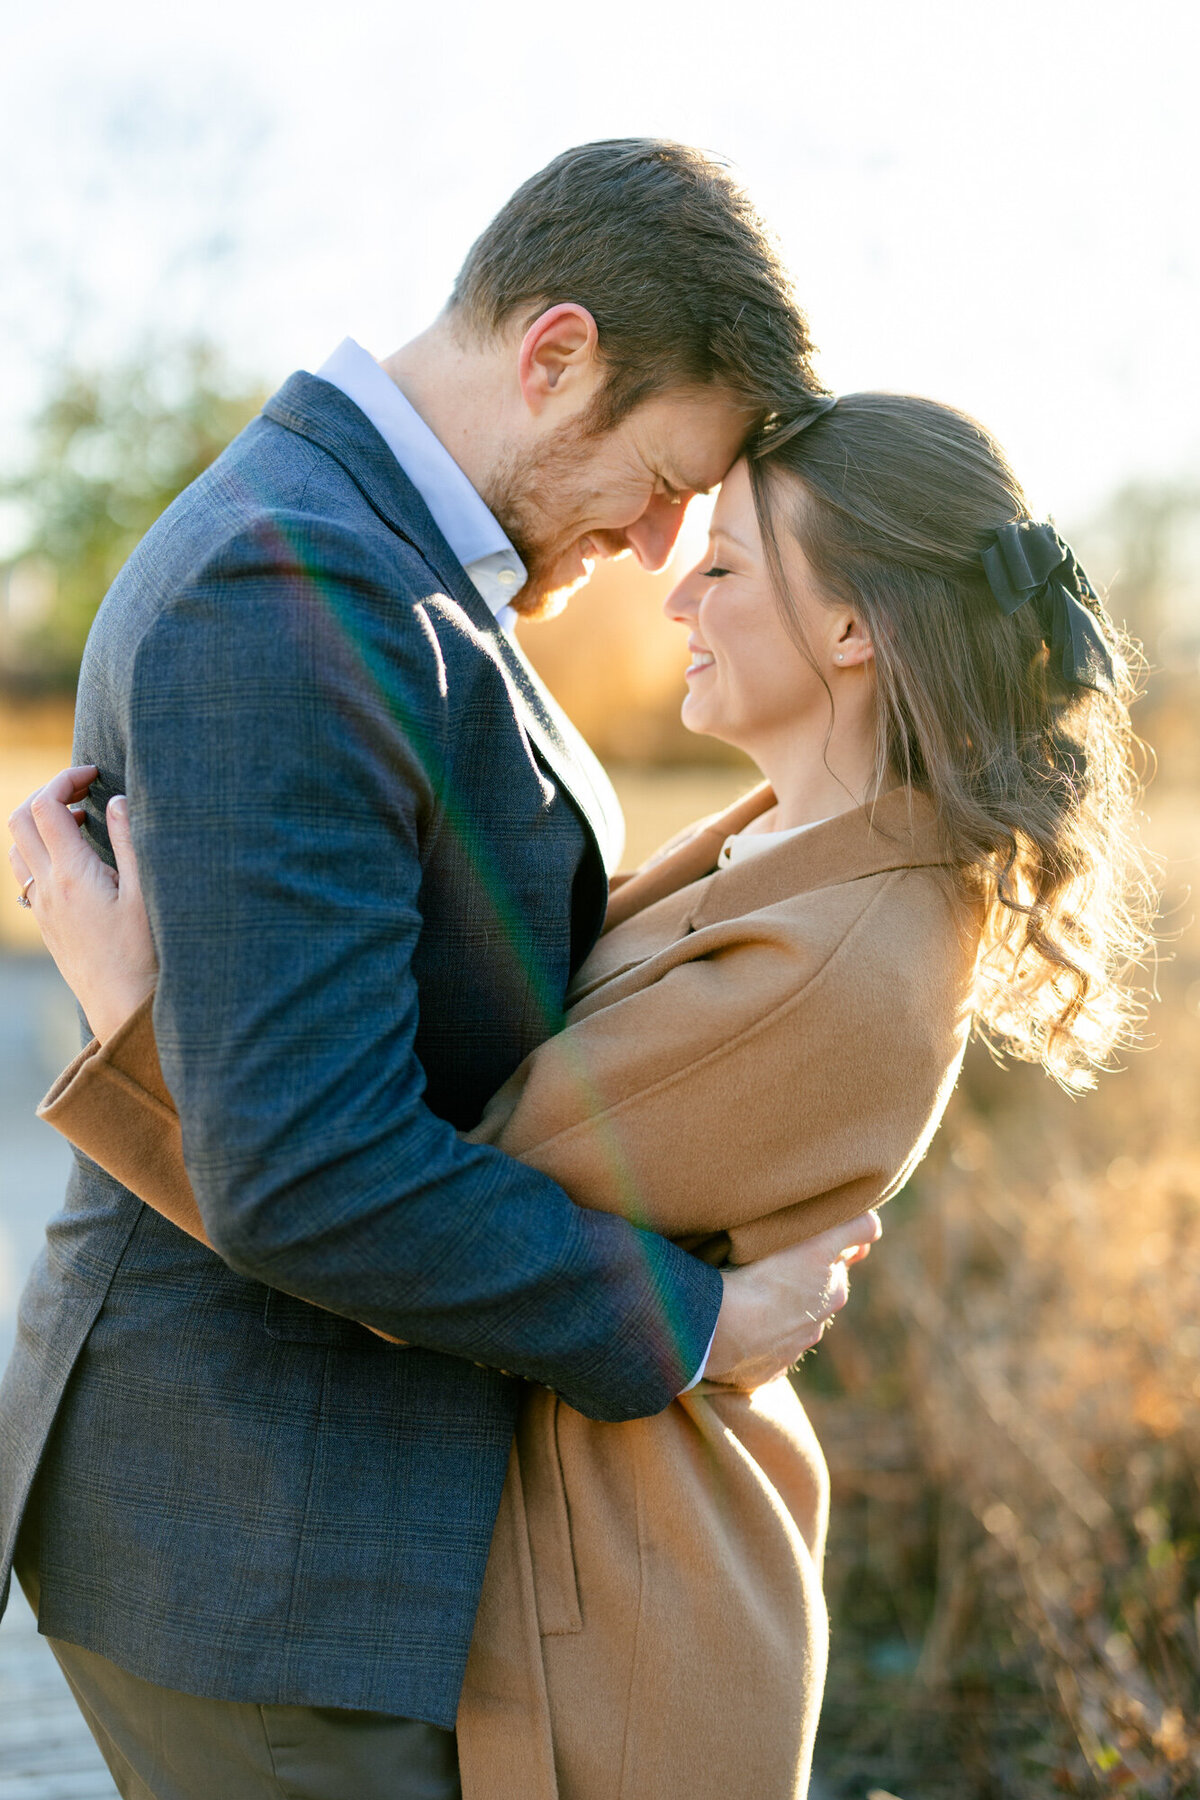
(1148, 536)
(109, 450)
(1144, 547)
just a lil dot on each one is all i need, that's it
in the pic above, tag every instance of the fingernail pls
(118, 806)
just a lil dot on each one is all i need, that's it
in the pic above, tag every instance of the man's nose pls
(652, 537)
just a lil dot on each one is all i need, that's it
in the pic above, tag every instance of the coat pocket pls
(548, 1515)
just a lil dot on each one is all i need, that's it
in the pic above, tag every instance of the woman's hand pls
(92, 918)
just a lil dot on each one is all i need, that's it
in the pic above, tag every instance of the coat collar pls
(899, 831)
(320, 412)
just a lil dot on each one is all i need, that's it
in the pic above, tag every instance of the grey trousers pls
(162, 1745)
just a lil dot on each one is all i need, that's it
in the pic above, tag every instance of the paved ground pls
(45, 1750)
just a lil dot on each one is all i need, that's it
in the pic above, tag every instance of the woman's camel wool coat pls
(751, 1055)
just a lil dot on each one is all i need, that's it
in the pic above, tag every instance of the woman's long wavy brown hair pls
(1035, 780)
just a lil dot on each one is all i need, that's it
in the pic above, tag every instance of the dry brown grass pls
(1011, 1409)
(1022, 1371)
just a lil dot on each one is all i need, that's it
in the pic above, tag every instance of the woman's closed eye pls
(714, 573)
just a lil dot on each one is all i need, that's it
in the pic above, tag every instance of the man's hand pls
(775, 1309)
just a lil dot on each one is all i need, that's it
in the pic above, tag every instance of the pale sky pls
(993, 205)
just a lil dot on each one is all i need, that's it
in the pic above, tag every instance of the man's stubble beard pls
(522, 493)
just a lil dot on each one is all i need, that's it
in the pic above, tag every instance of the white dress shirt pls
(472, 532)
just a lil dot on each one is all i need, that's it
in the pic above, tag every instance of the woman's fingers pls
(28, 839)
(52, 860)
(81, 776)
(19, 867)
(56, 824)
(43, 826)
(91, 916)
(121, 839)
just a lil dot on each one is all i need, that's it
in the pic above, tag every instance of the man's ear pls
(559, 357)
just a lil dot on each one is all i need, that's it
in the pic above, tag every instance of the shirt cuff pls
(698, 1377)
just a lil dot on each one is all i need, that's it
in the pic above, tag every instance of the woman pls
(760, 1046)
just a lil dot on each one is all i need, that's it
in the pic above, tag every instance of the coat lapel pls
(687, 861)
(898, 832)
(320, 412)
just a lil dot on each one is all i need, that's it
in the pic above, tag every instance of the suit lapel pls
(566, 753)
(320, 412)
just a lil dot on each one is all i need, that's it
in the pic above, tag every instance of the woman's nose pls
(681, 603)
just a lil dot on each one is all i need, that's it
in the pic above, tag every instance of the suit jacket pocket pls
(293, 1321)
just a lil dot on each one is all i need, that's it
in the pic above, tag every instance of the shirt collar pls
(471, 530)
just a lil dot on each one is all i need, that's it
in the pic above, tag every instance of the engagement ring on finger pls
(23, 897)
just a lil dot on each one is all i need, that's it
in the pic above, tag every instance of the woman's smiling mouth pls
(701, 659)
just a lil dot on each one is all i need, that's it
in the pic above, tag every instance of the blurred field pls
(35, 741)
(1011, 1405)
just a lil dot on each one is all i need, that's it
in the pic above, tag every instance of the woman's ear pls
(559, 359)
(852, 646)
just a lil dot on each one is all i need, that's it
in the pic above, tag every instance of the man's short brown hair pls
(664, 249)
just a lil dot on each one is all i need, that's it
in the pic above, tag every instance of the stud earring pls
(839, 657)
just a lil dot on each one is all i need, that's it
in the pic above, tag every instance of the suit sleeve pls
(285, 735)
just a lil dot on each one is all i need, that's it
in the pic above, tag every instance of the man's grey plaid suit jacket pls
(369, 850)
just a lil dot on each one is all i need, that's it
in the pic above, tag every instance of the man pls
(373, 851)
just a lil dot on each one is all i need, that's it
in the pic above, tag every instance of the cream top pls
(749, 843)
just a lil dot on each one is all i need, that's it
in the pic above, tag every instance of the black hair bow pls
(1026, 561)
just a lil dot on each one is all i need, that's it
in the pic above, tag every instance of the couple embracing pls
(399, 1406)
